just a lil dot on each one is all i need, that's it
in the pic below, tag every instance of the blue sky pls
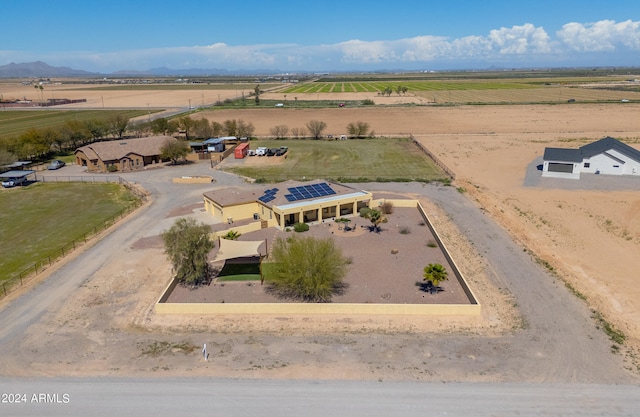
(107, 36)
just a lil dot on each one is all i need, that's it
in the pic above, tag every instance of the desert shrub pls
(306, 269)
(231, 235)
(386, 207)
(300, 227)
(404, 230)
(432, 244)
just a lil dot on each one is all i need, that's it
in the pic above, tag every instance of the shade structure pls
(231, 249)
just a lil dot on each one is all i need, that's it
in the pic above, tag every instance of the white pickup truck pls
(261, 151)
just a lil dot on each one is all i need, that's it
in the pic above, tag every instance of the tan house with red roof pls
(121, 154)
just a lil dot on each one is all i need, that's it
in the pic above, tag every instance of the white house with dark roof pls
(606, 156)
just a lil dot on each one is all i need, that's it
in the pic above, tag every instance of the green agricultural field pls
(13, 123)
(355, 160)
(484, 90)
(37, 220)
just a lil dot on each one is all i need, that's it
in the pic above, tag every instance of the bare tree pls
(257, 92)
(298, 132)
(358, 129)
(315, 128)
(280, 131)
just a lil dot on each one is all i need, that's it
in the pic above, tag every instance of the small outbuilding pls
(16, 177)
(607, 156)
(214, 145)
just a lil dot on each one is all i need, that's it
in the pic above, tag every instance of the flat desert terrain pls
(588, 231)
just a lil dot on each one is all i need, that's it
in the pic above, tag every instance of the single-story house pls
(606, 156)
(287, 203)
(121, 154)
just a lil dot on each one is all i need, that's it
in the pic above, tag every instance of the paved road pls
(238, 398)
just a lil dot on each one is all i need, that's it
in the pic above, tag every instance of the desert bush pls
(307, 269)
(386, 207)
(300, 227)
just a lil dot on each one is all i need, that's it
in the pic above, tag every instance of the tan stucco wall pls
(472, 309)
(318, 308)
(237, 212)
(193, 180)
(247, 228)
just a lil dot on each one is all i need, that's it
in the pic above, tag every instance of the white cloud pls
(525, 44)
(602, 36)
(519, 40)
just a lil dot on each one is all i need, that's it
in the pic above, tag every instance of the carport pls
(13, 178)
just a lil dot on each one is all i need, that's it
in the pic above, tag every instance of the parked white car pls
(261, 151)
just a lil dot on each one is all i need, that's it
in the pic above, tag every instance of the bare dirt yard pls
(589, 232)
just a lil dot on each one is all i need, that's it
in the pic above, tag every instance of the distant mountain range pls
(41, 69)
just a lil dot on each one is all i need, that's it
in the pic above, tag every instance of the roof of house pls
(274, 195)
(233, 196)
(606, 144)
(562, 154)
(587, 151)
(116, 149)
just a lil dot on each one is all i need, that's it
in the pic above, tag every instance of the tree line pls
(40, 143)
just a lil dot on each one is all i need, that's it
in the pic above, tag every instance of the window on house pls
(616, 166)
(587, 164)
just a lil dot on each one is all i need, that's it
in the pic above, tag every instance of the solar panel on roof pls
(308, 191)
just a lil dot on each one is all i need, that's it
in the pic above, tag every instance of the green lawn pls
(13, 123)
(354, 160)
(39, 219)
(240, 272)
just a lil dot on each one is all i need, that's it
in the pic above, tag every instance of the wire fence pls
(23, 276)
(434, 158)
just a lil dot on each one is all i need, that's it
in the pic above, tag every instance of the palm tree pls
(435, 274)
